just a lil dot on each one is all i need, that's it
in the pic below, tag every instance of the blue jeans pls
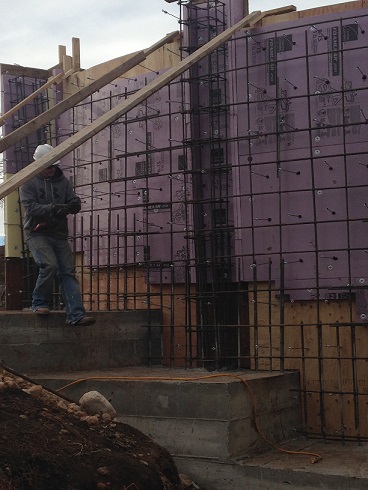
(54, 256)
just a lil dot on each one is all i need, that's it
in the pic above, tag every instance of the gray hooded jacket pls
(38, 196)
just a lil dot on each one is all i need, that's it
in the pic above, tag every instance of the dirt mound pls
(49, 444)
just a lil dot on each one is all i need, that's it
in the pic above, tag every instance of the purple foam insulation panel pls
(137, 193)
(63, 132)
(358, 259)
(296, 207)
(313, 171)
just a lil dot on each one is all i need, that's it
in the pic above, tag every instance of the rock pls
(35, 390)
(91, 420)
(96, 404)
(10, 383)
(61, 404)
(106, 417)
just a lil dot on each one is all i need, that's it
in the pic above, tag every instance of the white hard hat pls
(42, 150)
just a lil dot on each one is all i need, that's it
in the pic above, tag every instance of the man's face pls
(48, 172)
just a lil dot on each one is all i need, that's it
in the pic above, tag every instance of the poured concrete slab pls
(343, 467)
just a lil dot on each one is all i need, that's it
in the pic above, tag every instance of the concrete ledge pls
(30, 343)
(341, 468)
(207, 417)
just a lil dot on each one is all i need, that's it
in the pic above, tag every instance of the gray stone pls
(96, 404)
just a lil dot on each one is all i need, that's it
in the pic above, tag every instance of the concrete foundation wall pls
(34, 344)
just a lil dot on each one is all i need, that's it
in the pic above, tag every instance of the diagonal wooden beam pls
(280, 10)
(125, 106)
(165, 40)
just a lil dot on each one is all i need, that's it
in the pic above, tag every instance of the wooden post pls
(67, 63)
(62, 53)
(76, 53)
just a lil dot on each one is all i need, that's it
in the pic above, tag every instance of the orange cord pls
(315, 458)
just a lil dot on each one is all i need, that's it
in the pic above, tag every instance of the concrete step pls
(31, 343)
(195, 413)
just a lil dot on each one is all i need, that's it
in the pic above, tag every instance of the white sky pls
(32, 30)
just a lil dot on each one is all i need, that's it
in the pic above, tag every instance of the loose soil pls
(44, 445)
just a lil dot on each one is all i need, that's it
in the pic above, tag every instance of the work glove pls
(74, 207)
(59, 211)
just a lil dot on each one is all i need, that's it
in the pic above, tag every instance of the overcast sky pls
(32, 30)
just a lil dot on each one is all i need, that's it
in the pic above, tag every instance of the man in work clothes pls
(47, 199)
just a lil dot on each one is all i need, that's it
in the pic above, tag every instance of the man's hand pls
(74, 207)
(59, 211)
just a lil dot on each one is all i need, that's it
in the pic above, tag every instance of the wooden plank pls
(125, 106)
(62, 52)
(67, 63)
(276, 19)
(54, 80)
(280, 10)
(285, 14)
(328, 9)
(76, 53)
(80, 95)
(165, 40)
